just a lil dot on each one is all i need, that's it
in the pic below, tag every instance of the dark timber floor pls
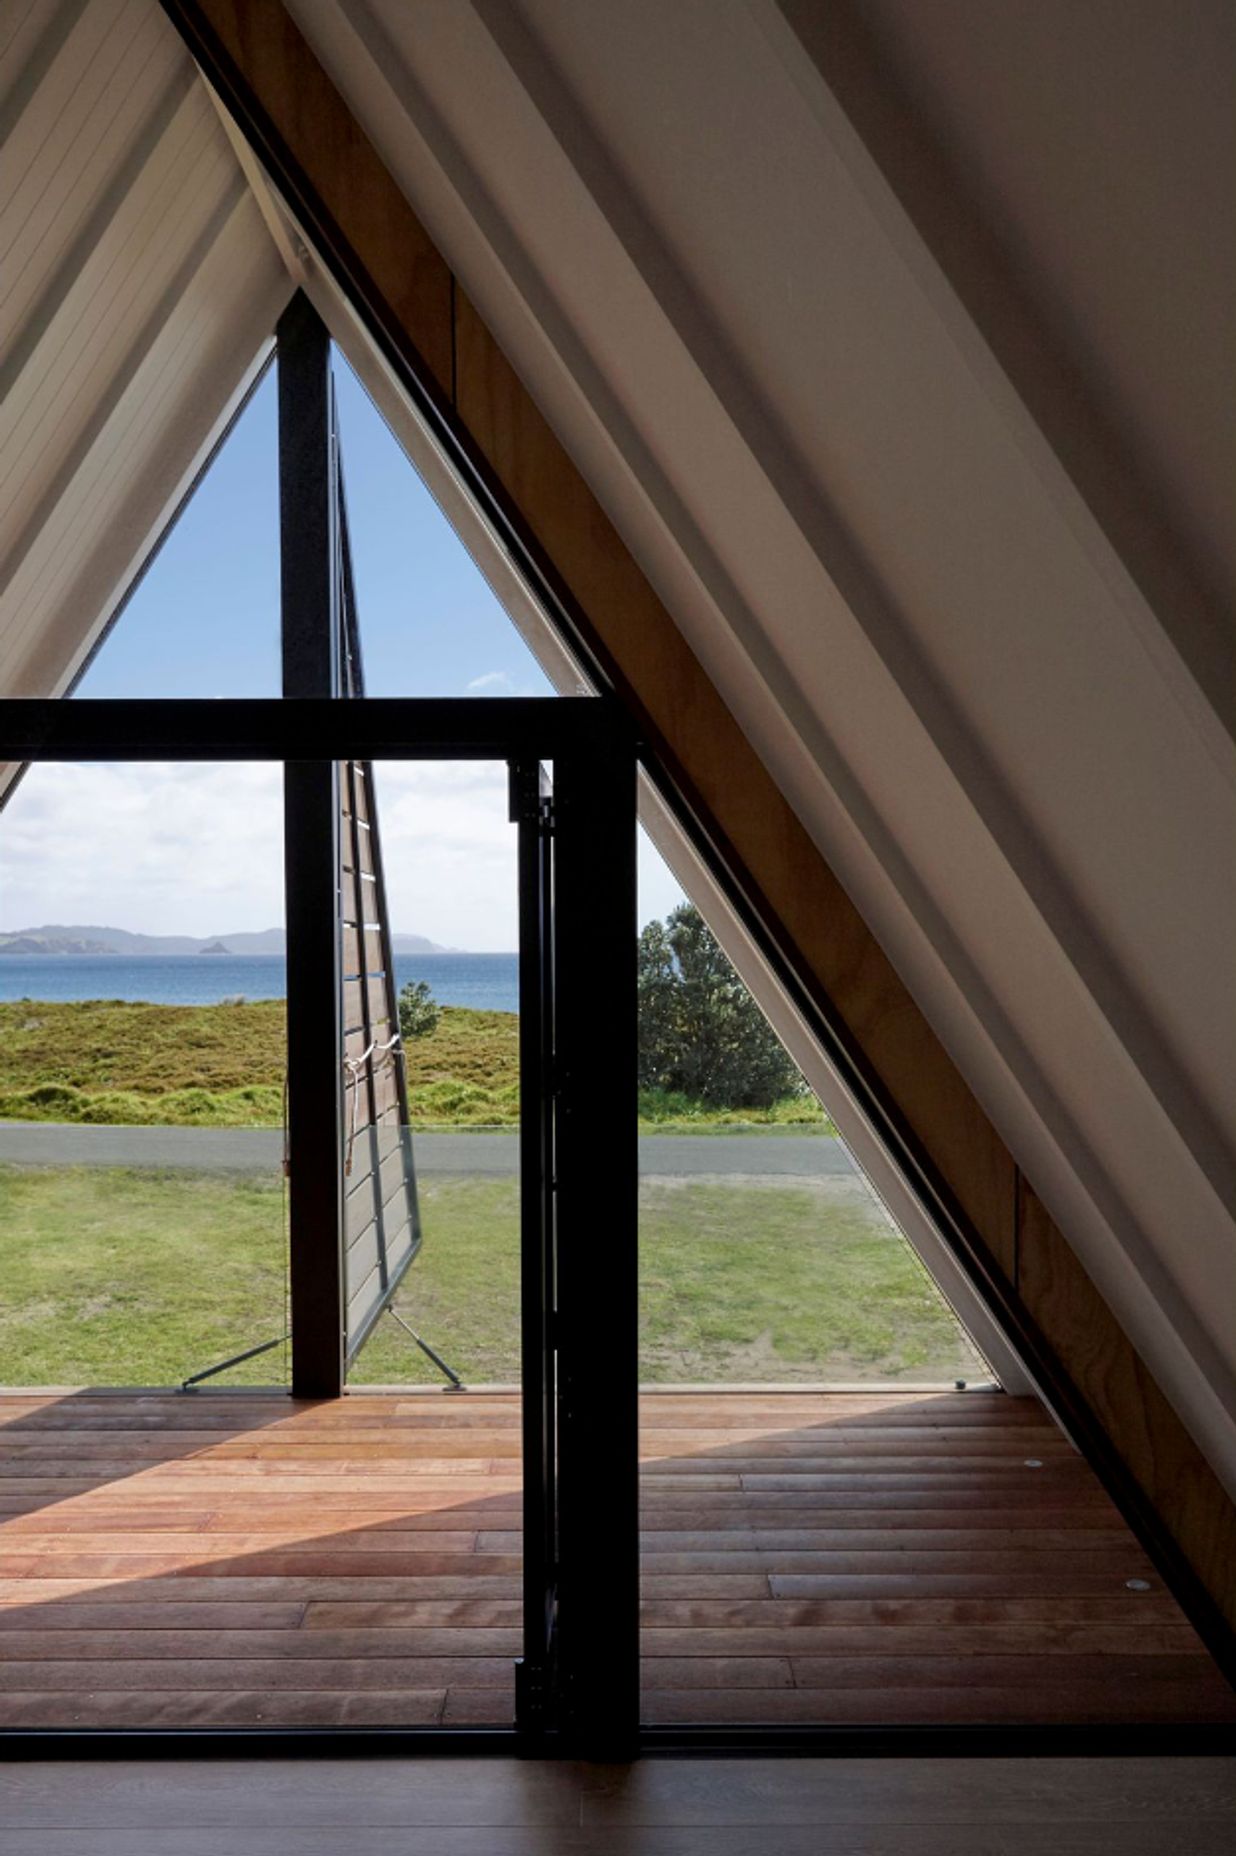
(234, 1558)
(658, 1807)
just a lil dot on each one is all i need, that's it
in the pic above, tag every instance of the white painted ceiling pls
(1098, 140)
(138, 289)
(933, 481)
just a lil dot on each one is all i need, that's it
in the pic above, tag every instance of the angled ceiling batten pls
(62, 463)
(941, 106)
(139, 289)
(349, 208)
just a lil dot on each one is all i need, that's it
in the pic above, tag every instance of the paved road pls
(257, 1150)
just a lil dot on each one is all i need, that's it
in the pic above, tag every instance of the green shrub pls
(464, 1104)
(667, 1105)
(701, 1034)
(419, 1011)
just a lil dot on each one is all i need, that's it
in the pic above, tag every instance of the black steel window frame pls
(594, 751)
(257, 728)
(585, 1084)
(312, 653)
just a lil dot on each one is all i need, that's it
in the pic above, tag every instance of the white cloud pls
(180, 848)
(449, 851)
(188, 848)
(493, 683)
(659, 889)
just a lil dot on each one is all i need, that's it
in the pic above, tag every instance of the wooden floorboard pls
(662, 1807)
(221, 1559)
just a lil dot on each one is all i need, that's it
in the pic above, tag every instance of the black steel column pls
(531, 808)
(596, 1163)
(309, 581)
(309, 559)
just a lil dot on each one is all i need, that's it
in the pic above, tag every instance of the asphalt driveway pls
(257, 1150)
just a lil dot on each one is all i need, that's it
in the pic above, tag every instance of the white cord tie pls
(355, 1069)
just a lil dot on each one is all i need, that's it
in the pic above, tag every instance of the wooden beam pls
(379, 252)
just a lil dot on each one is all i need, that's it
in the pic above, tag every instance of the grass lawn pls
(133, 1277)
(745, 1280)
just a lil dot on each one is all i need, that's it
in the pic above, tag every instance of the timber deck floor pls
(240, 1559)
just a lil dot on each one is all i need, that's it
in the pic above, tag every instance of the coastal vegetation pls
(141, 1065)
(132, 1275)
(701, 1034)
(419, 1012)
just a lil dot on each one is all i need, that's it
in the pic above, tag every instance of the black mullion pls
(308, 527)
(266, 728)
(534, 1698)
(315, 1170)
(309, 592)
(596, 1169)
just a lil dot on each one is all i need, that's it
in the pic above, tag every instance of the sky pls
(193, 849)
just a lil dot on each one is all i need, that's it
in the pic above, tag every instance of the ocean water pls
(488, 982)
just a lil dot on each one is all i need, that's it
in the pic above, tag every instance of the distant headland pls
(96, 941)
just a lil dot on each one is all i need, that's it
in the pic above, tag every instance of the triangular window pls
(430, 624)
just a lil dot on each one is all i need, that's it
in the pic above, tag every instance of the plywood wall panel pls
(1119, 1389)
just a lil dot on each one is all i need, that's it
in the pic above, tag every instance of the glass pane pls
(430, 625)
(141, 1074)
(432, 1200)
(766, 1255)
(447, 852)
